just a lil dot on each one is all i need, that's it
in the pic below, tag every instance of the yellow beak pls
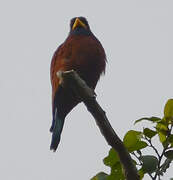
(78, 23)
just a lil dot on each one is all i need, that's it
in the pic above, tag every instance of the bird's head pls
(79, 25)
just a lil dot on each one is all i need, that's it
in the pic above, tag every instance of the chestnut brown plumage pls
(82, 52)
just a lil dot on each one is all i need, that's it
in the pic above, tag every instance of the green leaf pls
(131, 138)
(169, 154)
(149, 133)
(168, 110)
(116, 172)
(112, 177)
(150, 163)
(162, 137)
(165, 144)
(111, 159)
(170, 139)
(141, 173)
(162, 130)
(162, 127)
(139, 145)
(115, 177)
(165, 165)
(100, 176)
(132, 141)
(152, 119)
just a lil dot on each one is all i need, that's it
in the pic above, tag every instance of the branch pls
(72, 81)
(152, 146)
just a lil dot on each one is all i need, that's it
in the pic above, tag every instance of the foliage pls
(136, 141)
(100, 176)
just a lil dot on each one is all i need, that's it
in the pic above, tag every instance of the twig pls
(162, 154)
(138, 158)
(151, 145)
(72, 81)
(141, 163)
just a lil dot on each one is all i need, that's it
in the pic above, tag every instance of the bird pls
(82, 52)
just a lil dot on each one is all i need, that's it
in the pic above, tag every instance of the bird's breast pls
(82, 52)
(85, 55)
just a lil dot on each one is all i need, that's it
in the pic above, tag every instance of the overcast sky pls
(137, 37)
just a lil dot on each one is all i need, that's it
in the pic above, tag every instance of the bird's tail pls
(56, 133)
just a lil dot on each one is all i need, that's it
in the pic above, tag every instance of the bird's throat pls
(80, 31)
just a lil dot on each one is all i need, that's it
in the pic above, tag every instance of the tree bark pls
(71, 80)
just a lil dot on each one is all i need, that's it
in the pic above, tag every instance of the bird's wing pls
(55, 67)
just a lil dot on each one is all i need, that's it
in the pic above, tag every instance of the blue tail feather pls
(56, 133)
(63, 103)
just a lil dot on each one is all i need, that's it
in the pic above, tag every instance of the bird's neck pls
(80, 31)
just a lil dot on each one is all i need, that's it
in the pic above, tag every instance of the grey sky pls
(137, 37)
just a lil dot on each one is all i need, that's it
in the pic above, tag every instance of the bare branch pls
(71, 80)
